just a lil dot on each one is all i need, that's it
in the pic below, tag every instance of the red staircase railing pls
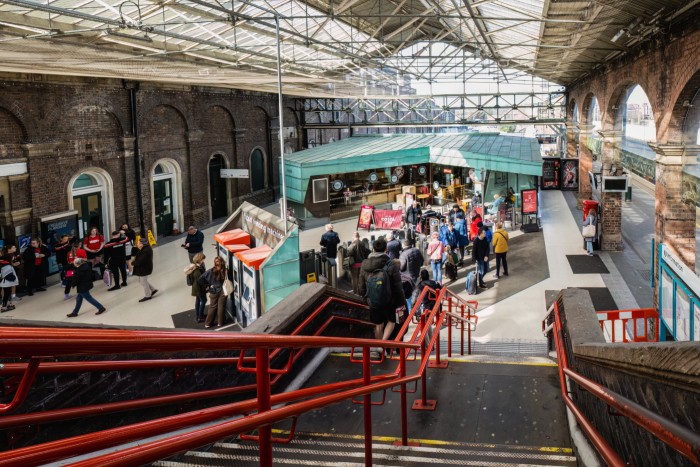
(680, 438)
(39, 345)
(639, 325)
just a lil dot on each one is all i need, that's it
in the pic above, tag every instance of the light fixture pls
(129, 44)
(110, 32)
(619, 34)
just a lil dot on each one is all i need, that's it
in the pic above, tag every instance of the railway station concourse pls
(258, 124)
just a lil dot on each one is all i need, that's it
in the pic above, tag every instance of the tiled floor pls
(517, 317)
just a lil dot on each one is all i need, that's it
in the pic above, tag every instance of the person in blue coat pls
(462, 237)
(449, 237)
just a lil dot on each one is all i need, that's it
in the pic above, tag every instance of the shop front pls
(390, 171)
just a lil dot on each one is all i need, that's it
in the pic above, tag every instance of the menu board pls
(365, 219)
(550, 173)
(529, 205)
(569, 174)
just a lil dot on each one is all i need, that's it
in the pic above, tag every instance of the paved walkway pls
(515, 318)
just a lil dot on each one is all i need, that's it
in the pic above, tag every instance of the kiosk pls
(266, 273)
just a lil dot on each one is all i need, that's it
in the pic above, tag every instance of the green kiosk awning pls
(490, 151)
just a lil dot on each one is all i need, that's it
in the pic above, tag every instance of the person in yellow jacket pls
(500, 247)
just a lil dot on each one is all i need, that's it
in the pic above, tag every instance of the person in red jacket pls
(474, 226)
(93, 245)
(76, 251)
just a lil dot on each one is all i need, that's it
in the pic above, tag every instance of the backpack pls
(189, 279)
(379, 287)
(471, 283)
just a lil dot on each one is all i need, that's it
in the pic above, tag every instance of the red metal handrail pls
(65, 342)
(644, 315)
(675, 435)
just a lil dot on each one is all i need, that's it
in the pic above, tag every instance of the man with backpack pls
(357, 252)
(380, 283)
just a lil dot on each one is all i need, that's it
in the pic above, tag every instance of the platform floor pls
(516, 317)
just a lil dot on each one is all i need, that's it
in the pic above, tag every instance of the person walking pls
(380, 283)
(61, 249)
(82, 281)
(357, 252)
(34, 267)
(8, 278)
(195, 271)
(474, 225)
(143, 267)
(480, 254)
(214, 279)
(75, 252)
(500, 248)
(129, 247)
(462, 237)
(591, 219)
(435, 251)
(194, 242)
(393, 246)
(330, 241)
(413, 219)
(115, 257)
(18, 264)
(456, 212)
(411, 260)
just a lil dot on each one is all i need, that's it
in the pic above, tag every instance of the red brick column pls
(675, 207)
(585, 164)
(571, 140)
(611, 218)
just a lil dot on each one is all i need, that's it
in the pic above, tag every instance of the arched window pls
(257, 170)
(91, 196)
(638, 119)
(698, 141)
(594, 116)
(166, 199)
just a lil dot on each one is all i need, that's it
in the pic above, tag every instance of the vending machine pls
(247, 283)
(227, 245)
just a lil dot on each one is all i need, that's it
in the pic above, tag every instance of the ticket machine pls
(247, 283)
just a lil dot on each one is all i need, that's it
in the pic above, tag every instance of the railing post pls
(404, 415)
(461, 307)
(449, 336)
(262, 364)
(469, 334)
(367, 402)
(423, 403)
(437, 363)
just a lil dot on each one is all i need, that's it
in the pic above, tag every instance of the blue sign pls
(24, 241)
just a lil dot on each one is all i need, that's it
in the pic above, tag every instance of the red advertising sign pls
(387, 220)
(365, 219)
(529, 198)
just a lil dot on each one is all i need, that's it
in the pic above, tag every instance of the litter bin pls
(628, 194)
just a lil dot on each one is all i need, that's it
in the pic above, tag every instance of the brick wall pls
(62, 125)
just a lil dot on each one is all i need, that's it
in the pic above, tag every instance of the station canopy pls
(489, 151)
(328, 48)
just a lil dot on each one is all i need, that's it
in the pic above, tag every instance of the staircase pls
(492, 410)
(347, 450)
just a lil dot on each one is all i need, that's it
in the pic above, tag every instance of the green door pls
(89, 209)
(163, 201)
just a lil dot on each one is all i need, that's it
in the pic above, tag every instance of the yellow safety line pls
(472, 360)
(431, 442)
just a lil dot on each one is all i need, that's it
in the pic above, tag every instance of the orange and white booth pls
(247, 283)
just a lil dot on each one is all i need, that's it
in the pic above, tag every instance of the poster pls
(365, 219)
(569, 174)
(550, 173)
(529, 198)
(410, 198)
(387, 220)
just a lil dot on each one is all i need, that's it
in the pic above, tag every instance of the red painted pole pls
(423, 377)
(469, 336)
(449, 336)
(404, 415)
(262, 364)
(462, 341)
(367, 398)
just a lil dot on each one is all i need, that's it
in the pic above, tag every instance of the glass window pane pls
(84, 181)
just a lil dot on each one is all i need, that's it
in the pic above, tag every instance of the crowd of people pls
(81, 262)
(390, 274)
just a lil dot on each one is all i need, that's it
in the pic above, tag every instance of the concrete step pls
(348, 450)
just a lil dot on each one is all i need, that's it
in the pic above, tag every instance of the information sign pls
(234, 173)
(365, 219)
(529, 198)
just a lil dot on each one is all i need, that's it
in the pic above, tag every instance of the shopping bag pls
(108, 278)
(227, 288)
(588, 231)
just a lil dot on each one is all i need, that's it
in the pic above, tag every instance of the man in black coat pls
(82, 281)
(413, 218)
(143, 267)
(480, 253)
(330, 240)
(115, 257)
(34, 258)
(194, 242)
(411, 260)
(393, 246)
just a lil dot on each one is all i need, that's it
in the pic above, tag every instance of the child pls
(450, 260)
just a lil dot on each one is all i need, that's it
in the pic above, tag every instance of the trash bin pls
(628, 194)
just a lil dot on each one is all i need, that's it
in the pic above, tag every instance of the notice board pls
(529, 205)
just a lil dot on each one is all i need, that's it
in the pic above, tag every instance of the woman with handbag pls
(589, 228)
(214, 278)
(143, 267)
